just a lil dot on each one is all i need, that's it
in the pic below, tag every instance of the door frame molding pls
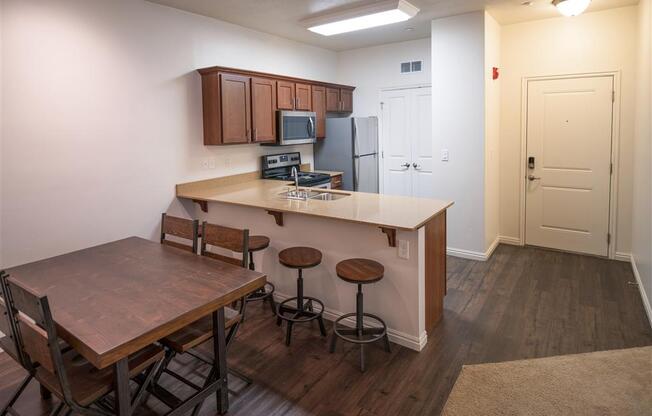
(615, 150)
(381, 138)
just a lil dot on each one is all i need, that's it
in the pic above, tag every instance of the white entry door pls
(407, 142)
(569, 124)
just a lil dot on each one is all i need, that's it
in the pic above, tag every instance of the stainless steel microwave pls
(296, 127)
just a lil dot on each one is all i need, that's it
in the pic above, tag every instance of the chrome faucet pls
(296, 179)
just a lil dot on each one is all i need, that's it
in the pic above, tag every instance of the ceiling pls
(282, 17)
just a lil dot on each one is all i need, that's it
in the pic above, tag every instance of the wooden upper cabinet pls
(236, 108)
(285, 95)
(346, 98)
(318, 95)
(303, 97)
(212, 109)
(240, 106)
(332, 99)
(263, 110)
(339, 100)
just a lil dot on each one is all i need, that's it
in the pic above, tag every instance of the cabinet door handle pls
(415, 165)
(255, 134)
(406, 165)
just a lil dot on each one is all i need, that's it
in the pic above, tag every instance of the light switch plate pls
(404, 249)
(444, 155)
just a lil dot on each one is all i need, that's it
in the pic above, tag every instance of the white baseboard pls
(641, 289)
(514, 241)
(397, 337)
(473, 255)
(623, 257)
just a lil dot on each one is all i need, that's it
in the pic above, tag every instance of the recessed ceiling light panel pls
(571, 7)
(362, 17)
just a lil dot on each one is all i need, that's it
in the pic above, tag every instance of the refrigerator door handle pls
(356, 147)
(356, 172)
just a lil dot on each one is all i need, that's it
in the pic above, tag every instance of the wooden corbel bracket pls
(391, 235)
(202, 204)
(278, 217)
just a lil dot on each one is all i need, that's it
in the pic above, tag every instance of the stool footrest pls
(307, 314)
(350, 334)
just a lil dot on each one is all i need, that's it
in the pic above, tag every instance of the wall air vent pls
(414, 66)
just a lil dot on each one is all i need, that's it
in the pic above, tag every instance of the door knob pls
(416, 166)
(533, 178)
(406, 165)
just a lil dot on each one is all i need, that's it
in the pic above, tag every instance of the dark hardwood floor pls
(523, 303)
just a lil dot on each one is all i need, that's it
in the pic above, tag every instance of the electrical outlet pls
(404, 249)
(444, 155)
(204, 164)
(211, 163)
(227, 162)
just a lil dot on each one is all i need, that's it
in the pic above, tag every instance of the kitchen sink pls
(328, 196)
(306, 194)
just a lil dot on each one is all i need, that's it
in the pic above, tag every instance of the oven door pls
(296, 127)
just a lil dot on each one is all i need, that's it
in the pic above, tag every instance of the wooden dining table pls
(112, 300)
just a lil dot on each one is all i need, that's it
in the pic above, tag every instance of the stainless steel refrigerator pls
(351, 146)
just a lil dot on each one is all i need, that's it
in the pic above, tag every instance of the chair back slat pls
(181, 228)
(35, 343)
(27, 302)
(221, 257)
(227, 238)
(9, 341)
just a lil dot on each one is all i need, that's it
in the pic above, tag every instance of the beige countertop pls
(404, 213)
(329, 172)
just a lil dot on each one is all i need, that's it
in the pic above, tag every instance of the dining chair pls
(180, 228)
(9, 344)
(185, 340)
(80, 386)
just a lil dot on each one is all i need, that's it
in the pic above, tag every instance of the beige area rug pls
(617, 382)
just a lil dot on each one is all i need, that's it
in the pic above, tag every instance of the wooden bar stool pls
(300, 258)
(265, 294)
(360, 272)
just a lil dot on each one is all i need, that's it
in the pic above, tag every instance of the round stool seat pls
(258, 242)
(300, 257)
(360, 271)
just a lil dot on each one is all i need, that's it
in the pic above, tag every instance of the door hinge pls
(608, 238)
(613, 96)
(611, 168)
(382, 154)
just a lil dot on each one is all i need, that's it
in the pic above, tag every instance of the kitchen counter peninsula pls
(412, 245)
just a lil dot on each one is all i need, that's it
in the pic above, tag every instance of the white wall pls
(458, 84)
(592, 42)
(642, 204)
(102, 116)
(376, 68)
(492, 129)
(1, 141)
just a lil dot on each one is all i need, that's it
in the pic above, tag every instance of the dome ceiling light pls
(571, 7)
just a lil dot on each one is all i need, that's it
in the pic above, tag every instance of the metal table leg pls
(122, 394)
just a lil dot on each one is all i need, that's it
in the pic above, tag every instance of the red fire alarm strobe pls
(494, 73)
